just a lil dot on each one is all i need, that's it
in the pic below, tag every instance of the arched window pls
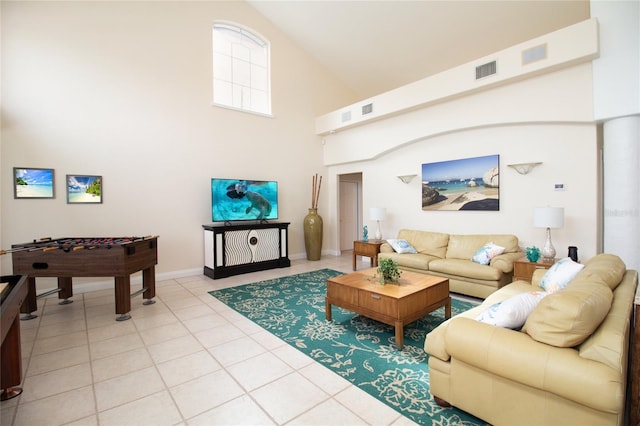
(240, 69)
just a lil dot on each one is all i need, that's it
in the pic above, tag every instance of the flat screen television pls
(239, 200)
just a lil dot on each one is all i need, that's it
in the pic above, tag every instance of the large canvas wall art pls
(464, 184)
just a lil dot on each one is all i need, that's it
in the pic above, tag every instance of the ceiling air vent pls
(485, 70)
(533, 54)
(367, 109)
(346, 116)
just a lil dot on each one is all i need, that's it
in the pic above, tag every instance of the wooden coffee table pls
(411, 298)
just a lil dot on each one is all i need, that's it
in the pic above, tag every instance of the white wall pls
(544, 119)
(123, 90)
(616, 73)
(568, 46)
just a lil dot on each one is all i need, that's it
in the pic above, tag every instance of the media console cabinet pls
(247, 247)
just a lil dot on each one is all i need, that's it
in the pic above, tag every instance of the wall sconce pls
(523, 168)
(406, 178)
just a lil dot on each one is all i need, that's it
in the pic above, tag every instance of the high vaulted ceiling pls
(377, 45)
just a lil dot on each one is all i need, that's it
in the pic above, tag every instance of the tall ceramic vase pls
(313, 234)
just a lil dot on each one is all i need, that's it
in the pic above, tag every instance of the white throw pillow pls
(487, 252)
(512, 312)
(401, 246)
(559, 275)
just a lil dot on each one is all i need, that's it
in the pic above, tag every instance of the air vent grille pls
(534, 54)
(485, 70)
(367, 109)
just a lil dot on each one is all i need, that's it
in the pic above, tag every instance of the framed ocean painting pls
(464, 184)
(84, 189)
(31, 182)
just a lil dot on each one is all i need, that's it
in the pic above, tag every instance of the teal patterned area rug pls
(359, 349)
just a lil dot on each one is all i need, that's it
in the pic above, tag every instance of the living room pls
(123, 90)
(126, 107)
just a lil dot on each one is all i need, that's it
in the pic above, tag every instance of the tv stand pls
(248, 247)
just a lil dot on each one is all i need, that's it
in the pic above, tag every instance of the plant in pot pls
(388, 271)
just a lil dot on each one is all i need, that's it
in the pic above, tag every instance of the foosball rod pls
(52, 246)
(19, 249)
(14, 250)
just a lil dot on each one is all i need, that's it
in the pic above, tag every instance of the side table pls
(369, 248)
(523, 269)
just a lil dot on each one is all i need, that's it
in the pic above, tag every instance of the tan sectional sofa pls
(566, 366)
(449, 255)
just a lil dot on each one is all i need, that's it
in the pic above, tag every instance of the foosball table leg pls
(123, 297)
(30, 303)
(65, 290)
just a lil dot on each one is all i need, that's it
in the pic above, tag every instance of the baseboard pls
(303, 255)
(136, 279)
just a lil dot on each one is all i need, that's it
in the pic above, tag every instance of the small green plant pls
(388, 271)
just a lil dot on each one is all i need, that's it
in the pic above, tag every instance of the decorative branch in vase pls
(315, 190)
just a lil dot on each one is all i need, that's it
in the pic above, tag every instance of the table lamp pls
(377, 214)
(548, 217)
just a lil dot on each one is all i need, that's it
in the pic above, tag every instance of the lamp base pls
(378, 234)
(548, 252)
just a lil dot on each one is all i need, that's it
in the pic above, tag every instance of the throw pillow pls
(512, 312)
(559, 275)
(401, 246)
(487, 252)
(567, 318)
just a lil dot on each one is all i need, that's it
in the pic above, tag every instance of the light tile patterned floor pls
(186, 360)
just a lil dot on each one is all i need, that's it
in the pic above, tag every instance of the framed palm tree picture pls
(84, 189)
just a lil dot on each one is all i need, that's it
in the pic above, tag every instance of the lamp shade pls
(377, 213)
(548, 217)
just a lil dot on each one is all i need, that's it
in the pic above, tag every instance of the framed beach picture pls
(464, 184)
(84, 189)
(30, 182)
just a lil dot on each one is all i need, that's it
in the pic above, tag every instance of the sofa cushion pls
(559, 275)
(568, 317)
(435, 342)
(512, 312)
(606, 268)
(537, 277)
(464, 246)
(607, 344)
(487, 252)
(465, 268)
(425, 242)
(409, 260)
(401, 246)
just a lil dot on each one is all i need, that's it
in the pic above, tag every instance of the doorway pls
(350, 209)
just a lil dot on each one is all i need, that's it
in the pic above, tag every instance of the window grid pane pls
(241, 72)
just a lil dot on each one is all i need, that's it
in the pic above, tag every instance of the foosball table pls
(65, 258)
